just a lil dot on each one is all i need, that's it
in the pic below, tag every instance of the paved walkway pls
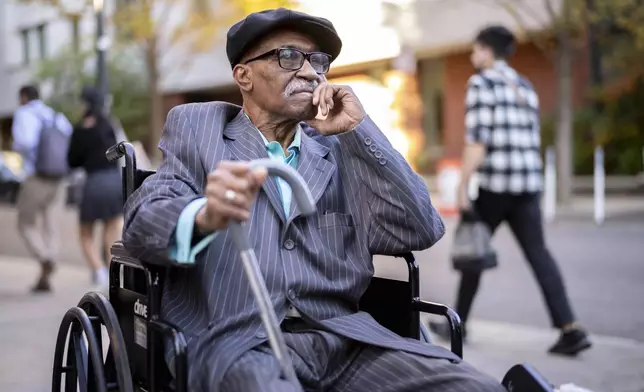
(612, 365)
(29, 324)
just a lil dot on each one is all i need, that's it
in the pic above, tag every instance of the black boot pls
(43, 284)
(571, 343)
(443, 331)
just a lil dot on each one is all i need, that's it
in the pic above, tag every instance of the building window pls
(42, 41)
(34, 43)
(438, 111)
(75, 33)
(24, 36)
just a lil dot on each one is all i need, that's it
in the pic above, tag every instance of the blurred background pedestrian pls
(502, 144)
(40, 198)
(102, 199)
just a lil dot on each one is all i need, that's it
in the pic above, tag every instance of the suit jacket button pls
(378, 154)
(289, 244)
(383, 161)
(367, 141)
(261, 335)
(373, 148)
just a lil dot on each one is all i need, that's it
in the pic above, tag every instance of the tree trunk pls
(156, 103)
(565, 118)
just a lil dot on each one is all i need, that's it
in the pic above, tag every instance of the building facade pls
(30, 33)
(376, 35)
(439, 33)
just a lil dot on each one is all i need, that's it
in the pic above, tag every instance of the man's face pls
(482, 56)
(282, 92)
(22, 99)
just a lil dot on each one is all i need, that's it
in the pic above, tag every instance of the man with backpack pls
(41, 137)
(503, 145)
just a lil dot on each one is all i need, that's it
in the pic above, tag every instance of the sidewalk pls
(611, 365)
(29, 324)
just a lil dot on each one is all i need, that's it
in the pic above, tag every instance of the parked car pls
(12, 175)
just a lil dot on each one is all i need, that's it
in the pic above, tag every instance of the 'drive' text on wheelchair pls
(316, 267)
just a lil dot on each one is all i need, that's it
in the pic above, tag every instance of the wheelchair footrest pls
(524, 378)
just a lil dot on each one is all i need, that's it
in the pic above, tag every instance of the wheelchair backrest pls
(130, 296)
(139, 176)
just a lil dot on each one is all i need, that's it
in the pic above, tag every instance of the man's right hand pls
(230, 192)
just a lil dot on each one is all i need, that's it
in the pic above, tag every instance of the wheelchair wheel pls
(79, 352)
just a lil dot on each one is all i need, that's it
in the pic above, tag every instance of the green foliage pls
(619, 129)
(67, 73)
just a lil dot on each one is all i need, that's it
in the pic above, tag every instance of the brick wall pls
(529, 61)
(170, 101)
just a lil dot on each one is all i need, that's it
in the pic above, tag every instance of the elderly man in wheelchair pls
(298, 316)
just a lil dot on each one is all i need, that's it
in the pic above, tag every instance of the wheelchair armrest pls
(409, 257)
(122, 256)
(454, 321)
(179, 346)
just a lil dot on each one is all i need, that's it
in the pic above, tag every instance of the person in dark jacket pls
(102, 199)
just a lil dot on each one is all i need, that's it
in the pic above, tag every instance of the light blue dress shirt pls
(182, 251)
(27, 123)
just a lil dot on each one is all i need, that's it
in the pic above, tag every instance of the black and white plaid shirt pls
(502, 112)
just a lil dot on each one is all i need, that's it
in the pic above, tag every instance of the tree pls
(563, 30)
(200, 31)
(153, 28)
(620, 32)
(64, 75)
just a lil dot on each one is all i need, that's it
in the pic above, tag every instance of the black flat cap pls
(248, 31)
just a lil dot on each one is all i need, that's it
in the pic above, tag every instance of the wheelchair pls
(131, 317)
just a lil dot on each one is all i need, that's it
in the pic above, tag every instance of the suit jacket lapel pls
(314, 168)
(247, 145)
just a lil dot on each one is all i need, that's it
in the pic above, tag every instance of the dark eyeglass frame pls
(306, 56)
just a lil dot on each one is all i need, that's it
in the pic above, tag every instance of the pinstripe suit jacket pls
(369, 202)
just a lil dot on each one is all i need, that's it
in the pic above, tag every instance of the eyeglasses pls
(292, 59)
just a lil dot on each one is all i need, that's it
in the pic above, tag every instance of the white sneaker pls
(572, 388)
(100, 277)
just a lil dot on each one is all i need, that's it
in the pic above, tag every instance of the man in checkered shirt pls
(503, 147)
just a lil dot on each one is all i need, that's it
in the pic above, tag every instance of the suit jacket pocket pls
(335, 219)
(337, 234)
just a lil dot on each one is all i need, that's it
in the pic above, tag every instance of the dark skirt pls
(102, 196)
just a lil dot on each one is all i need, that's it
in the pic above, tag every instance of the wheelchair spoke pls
(110, 368)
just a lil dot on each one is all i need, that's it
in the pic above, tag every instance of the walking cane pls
(306, 204)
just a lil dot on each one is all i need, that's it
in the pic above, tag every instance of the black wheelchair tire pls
(96, 305)
(75, 322)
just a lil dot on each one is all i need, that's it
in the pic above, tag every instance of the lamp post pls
(102, 44)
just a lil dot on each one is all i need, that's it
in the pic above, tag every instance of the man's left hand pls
(341, 107)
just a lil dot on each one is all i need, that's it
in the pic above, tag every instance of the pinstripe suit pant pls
(324, 361)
